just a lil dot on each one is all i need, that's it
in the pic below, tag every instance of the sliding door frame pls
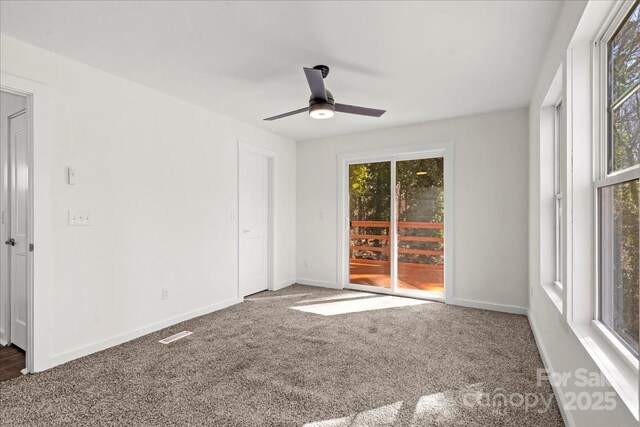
(394, 155)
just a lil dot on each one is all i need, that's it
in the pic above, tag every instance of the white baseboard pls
(61, 358)
(566, 416)
(487, 306)
(3, 342)
(319, 283)
(284, 284)
(453, 301)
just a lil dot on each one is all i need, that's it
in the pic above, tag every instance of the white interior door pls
(19, 247)
(253, 220)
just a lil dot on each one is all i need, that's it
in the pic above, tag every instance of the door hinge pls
(30, 247)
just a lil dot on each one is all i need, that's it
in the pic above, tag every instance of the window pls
(559, 192)
(617, 185)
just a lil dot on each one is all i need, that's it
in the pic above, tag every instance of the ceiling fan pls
(321, 103)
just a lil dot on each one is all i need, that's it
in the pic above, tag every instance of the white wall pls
(9, 105)
(490, 175)
(160, 175)
(559, 345)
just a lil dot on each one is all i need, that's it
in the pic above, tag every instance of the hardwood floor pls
(12, 361)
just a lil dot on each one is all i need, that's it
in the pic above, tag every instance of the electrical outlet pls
(165, 294)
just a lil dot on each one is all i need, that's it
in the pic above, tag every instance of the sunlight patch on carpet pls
(437, 406)
(341, 296)
(378, 417)
(356, 306)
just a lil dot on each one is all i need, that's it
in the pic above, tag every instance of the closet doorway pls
(14, 223)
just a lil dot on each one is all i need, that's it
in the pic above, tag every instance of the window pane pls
(619, 259)
(624, 54)
(625, 144)
(558, 144)
(559, 172)
(559, 241)
(420, 201)
(370, 214)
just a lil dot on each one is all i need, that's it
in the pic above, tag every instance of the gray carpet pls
(261, 363)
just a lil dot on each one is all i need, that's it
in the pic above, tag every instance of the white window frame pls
(553, 170)
(582, 93)
(559, 171)
(602, 177)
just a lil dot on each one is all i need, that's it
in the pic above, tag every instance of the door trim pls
(443, 149)
(38, 218)
(271, 156)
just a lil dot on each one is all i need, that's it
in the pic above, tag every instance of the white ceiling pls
(418, 60)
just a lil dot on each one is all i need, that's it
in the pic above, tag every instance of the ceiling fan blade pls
(290, 113)
(316, 83)
(362, 111)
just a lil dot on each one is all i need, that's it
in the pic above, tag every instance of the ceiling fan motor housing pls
(320, 108)
(313, 101)
(322, 111)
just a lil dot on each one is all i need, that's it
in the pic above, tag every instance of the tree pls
(624, 152)
(419, 192)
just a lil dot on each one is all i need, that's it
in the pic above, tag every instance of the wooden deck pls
(414, 274)
(409, 277)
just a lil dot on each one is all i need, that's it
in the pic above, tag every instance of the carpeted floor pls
(261, 363)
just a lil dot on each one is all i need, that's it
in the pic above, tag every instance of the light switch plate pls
(72, 217)
(71, 176)
(79, 217)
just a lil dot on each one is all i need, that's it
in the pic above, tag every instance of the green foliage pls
(624, 60)
(624, 152)
(626, 253)
(370, 196)
(419, 192)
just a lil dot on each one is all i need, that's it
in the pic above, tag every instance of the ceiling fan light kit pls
(322, 111)
(322, 108)
(321, 102)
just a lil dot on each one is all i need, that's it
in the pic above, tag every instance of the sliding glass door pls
(396, 226)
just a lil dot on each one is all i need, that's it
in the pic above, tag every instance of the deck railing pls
(386, 225)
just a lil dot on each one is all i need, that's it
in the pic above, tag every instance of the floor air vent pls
(175, 337)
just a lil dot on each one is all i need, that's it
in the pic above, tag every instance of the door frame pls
(271, 156)
(38, 217)
(442, 149)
